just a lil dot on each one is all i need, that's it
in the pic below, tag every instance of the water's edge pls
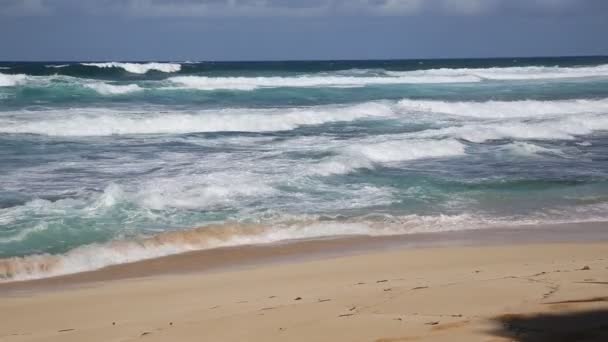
(295, 251)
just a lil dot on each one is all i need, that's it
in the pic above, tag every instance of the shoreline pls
(551, 291)
(245, 257)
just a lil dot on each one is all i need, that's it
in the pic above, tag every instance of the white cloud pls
(469, 7)
(24, 7)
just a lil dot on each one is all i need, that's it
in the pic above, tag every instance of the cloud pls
(255, 8)
(24, 8)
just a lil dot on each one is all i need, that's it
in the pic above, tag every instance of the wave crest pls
(511, 73)
(139, 68)
(508, 109)
(12, 80)
(113, 89)
(89, 122)
(364, 156)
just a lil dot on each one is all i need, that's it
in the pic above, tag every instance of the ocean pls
(107, 163)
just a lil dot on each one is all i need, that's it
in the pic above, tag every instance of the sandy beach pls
(552, 291)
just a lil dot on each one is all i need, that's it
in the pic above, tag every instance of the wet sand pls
(527, 284)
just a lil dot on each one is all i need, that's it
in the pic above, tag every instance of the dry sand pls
(518, 292)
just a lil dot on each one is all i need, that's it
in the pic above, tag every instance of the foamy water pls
(111, 162)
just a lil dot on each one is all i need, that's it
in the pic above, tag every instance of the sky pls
(204, 30)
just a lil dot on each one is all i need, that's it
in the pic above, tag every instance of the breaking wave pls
(364, 156)
(509, 109)
(510, 73)
(92, 122)
(252, 83)
(139, 68)
(112, 89)
(567, 128)
(12, 80)
(96, 256)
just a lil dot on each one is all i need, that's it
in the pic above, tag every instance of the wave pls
(57, 66)
(509, 73)
(96, 256)
(364, 156)
(61, 81)
(112, 89)
(12, 80)
(253, 83)
(139, 68)
(102, 122)
(530, 150)
(364, 77)
(508, 109)
(560, 120)
(568, 128)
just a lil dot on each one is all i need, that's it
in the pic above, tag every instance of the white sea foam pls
(208, 191)
(12, 80)
(362, 155)
(57, 66)
(510, 73)
(113, 89)
(508, 109)
(93, 122)
(139, 68)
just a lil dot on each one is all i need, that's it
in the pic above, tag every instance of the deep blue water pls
(111, 162)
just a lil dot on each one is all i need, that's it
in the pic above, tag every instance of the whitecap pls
(139, 68)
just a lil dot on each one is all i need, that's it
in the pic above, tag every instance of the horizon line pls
(302, 60)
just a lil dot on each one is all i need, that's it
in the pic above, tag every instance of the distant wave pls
(360, 78)
(337, 79)
(252, 83)
(509, 73)
(111, 89)
(139, 68)
(57, 66)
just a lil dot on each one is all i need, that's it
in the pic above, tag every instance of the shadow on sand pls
(591, 325)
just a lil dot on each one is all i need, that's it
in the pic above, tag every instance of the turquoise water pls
(106, 163)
